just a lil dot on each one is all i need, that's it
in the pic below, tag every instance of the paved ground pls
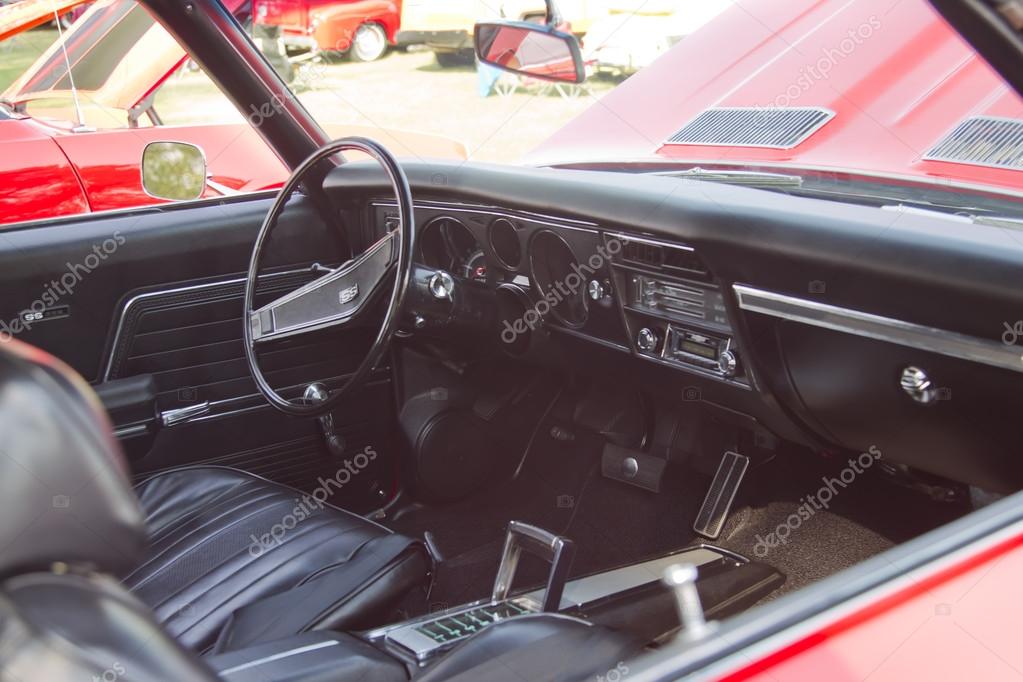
(404, 90)
(410, 91)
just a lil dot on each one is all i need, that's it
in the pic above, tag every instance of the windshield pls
(867, 101)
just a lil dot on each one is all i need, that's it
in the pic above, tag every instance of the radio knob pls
(646, 340)
(596, 290)
(728, 364)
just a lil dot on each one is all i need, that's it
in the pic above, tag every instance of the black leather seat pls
(229, 559)
(221, 540)
(71, 522)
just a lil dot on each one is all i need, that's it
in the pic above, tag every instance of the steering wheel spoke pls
(333, 299)
(338, 296)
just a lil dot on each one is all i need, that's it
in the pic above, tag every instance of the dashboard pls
(837, 326)
(653, 299)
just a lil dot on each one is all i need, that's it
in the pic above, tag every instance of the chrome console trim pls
(879, 328)
(276, 657)
(591, 588)
(577, 593)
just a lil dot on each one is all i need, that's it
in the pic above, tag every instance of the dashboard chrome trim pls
(622, 236)
(549, 221)
(879, 328)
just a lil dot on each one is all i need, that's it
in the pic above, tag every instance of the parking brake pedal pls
(716, 505)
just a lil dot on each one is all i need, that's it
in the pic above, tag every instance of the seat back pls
(68, 520)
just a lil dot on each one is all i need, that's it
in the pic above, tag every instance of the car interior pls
(451, 420)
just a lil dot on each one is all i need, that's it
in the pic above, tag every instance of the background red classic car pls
(362, 29)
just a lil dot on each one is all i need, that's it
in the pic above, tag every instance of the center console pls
(617, 611)
(630, 598)
(424, 638)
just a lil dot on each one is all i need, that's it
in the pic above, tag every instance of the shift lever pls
(554, 548)
(317, 393)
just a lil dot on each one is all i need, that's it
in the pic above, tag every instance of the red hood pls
(898, 80)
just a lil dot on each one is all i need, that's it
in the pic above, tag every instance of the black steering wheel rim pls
(402, 275)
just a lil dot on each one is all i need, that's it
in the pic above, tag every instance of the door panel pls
(159, 292)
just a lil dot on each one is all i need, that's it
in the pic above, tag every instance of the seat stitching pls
(226, 561)
(215, 513)
(211, 611)
(202, 541)
(172, 543)
(176, 523)
(261, 479)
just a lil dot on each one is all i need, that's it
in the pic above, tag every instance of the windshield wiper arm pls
(738, 177)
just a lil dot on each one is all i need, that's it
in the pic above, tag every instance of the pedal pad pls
(716, 505)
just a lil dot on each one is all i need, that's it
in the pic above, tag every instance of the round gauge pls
(447, 244)
(504, 240)
(475, 268)
(556, 275)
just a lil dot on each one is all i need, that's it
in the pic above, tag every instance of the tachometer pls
(447, 244)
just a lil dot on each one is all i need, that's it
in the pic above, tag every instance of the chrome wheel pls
(369, 44)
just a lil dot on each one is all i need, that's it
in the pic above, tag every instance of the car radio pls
(695, 348)
(699, 348)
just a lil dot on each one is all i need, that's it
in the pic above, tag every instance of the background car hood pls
(27, 14)
(888, 81)
(118, 55)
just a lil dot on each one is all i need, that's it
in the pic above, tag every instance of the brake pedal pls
(716, 505)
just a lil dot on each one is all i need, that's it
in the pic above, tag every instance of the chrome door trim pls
(137, 298)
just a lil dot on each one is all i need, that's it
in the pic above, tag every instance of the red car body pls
(896, 76)
(49, 172)
(329, 24)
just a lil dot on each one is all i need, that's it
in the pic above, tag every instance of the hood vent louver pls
(982, 141)
(775, 127)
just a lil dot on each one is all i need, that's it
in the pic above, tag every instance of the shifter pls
(317, 393)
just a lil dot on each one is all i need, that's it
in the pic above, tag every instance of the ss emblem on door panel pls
(350, 294)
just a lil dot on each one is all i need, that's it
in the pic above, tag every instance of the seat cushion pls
(221, 539)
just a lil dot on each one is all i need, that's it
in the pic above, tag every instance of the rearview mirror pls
(530, 49)
(175, 171)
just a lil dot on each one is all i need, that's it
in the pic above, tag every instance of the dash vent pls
(680, 260)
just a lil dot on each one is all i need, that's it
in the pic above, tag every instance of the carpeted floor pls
(560, 488)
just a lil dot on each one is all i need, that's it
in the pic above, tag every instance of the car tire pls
(369, 43)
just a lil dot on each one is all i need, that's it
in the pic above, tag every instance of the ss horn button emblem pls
(350, 294)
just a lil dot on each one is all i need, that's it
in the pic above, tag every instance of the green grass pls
(18, 53)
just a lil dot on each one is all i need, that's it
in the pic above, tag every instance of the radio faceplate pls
(707, 351)
(676, 299)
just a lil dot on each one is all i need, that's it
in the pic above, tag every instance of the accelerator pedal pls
(716, 505)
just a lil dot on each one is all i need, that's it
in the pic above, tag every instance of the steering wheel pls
(338, 297)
